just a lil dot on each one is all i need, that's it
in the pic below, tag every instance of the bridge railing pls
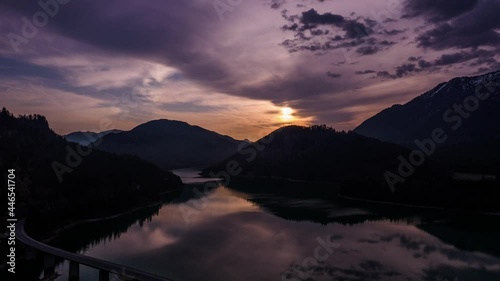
(105, 268)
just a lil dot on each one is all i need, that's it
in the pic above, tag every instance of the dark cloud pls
(276, 4)
(477, 28)
(317, 32)
(369, 241)
(387, 43)
(155, 37)
(302, 36)
(292, 27)
(484, 61)
(488, 64)
(463, 56)
(370, 22)
(384, 74)
(424, 64)
(405, 69)
(479, 57)
(482, 70)
(16, 68)
(394, 32)
(310, 20)
(299, 44)
(414, 58)
(438, 10)
(401, 71)
(312, 17)
(471, 27)
(365, 72)
(293, 87)
(354, 29)
(333, 75)
(367, 50)
(290, 18)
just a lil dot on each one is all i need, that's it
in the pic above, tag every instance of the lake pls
(234, 234)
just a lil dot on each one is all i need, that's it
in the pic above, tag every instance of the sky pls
(238, 67)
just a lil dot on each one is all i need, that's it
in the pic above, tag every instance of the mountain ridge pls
(88, 137)
(171, 144)
(334, 163)
(60, 178)
(403, 123)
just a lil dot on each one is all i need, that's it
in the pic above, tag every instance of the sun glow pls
(286, 114)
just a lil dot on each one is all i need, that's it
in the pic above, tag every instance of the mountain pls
(316, 153)
(86, 138)
(171, 144)
(352, 165)
(466, 108)
(65, 181)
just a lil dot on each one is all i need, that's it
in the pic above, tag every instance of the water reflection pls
(190, 176)
(255, 236)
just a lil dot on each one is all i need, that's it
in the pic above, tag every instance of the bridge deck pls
(110, 267)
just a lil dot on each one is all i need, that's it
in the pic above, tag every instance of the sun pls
(286, 114)
(287, 111)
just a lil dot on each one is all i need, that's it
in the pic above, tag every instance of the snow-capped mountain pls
(467, 109)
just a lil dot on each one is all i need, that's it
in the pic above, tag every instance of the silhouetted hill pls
(67, 181)
(171, 144)
(317, 153)
(466, 109)
(85, 138)
(354, 166)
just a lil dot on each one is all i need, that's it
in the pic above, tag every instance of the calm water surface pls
(232, 235)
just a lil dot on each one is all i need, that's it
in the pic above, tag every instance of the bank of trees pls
(101, 183)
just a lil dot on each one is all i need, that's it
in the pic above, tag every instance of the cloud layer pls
(198, 60)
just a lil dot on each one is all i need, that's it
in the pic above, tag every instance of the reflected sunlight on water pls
(233, 238)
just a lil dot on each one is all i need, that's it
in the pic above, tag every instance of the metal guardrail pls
(104, 267)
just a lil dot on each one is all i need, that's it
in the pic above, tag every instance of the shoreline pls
(98, 219)
(287, 179)
(59, 230)
(497, 214)
(417, 206)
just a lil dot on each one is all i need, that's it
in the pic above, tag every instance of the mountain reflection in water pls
(224, 234)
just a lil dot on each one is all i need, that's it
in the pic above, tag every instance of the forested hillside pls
(66, 181)
(356, 166)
